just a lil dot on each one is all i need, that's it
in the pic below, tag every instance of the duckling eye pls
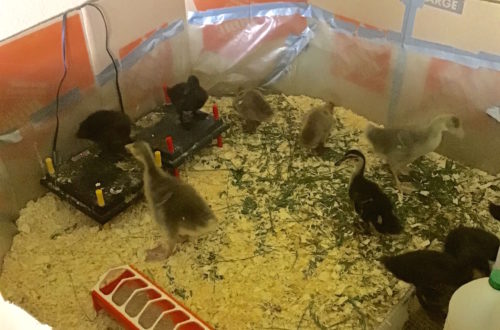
(455, 122)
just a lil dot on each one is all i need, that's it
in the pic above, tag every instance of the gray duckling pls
(175, 205)
(401, 146)
(316, 127)
(253, 108)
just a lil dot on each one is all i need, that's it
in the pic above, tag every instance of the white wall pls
(18, 15)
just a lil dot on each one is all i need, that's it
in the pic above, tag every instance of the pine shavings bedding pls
(288, 253)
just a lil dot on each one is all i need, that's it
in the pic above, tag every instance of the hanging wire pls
(56, 133)
(63, 41)
(110, 56)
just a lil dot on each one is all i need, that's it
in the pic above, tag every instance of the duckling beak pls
(460, 133)
(129, 147)
(340, 161)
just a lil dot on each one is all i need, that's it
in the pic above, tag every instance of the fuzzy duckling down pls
(436, 276)
(188, 97)
(473, 246)
(372, 205)
(402, 146)
(494, 210)
(110, 130)
(253, 108)
(316, 127)
(175, 206)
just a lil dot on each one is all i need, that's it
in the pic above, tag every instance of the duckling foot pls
(250, 126)
(321, 149)
(404, 170)
(157, 254)
(407, 187)
(364, 228)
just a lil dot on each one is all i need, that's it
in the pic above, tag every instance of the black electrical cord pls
(118, 90)
(56, 133)
(110, 56)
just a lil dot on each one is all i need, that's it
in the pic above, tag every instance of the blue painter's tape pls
(145, 47)
(149, 44)
(107, 74)
(294, 46)
(50, 110)
(324, 16)
(395, 37)
(217, 16)
(473, 60)
(370, 33)
(347, 26)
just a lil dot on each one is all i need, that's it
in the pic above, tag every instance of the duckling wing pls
(474, 246)
(364, 193)
(396, 143)
(427, 268)
(187, 209)
(252, 106)
(435, 299)
(494, 211)
(177, 93)
(200, 97)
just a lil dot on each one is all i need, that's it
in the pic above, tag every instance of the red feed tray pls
(137, 303)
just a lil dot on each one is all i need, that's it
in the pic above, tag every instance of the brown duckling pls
(175, 205)
(317, 125)
(253, 108)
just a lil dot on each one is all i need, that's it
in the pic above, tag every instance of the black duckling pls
(188, 97)
(317, 124)
(370, 202)
(110, 130)
(474, 246)
(436, 276)
(401, 146)
(494, 211)
(175, 206)
(253, 108)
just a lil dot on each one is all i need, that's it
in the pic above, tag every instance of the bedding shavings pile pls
(289, 252)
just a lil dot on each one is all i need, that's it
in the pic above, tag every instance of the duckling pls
(436, 276)
(253, 108)
(175, 206)
(110, 130)
(494, 211)
(317, 124)
(372, 205)
(474, 246)
(188, 97)
(402, 146)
